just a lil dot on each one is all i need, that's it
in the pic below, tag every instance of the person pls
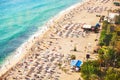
(87, 56)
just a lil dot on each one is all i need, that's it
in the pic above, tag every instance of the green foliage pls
(118, 64)
(107, 39)
(108, 29)
(112, 74)
(117, 19)
(105, 24)
(112, 28)
(73, 57)
(90, 69)
(106, 34)
(109, 55)
(103, 33)
(102, 36)
(113, 39)
(94, 77)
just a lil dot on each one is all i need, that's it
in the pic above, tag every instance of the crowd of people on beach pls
(69, 31)
(42, 66)
(43, 60)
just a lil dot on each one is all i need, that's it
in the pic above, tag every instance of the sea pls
(20, 19)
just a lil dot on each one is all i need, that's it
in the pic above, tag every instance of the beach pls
(37, 58)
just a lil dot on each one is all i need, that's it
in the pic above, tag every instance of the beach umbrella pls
(49, 70)
(50, 58)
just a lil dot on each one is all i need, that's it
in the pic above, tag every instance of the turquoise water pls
(19, 19)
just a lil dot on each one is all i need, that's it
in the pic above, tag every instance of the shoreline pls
(40, 33)
(57, 43)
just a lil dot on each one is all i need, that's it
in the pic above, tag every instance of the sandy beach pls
(38, 58)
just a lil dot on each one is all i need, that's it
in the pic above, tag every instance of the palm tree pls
(89, 72)
(111, 74)
(104, 56)
(117, 47)
(101, 58)
(94, 77)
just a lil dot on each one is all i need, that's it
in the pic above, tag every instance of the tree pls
(102, 36)
(94, 77)
(106, 56)
(90, 70)
(117, 19)
(112, 74)
(117, 47)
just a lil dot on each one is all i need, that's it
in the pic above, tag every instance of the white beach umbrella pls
(50, 58)
(49, 70)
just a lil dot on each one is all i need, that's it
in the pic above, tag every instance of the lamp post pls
(75, 49)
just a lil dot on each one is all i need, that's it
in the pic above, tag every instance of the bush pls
(73, 57)
(117, 19)
(102, 36)
(107, 39)
(105, 24)
(101, 43)
(112, 28)
(112, 74)
(90, 69)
